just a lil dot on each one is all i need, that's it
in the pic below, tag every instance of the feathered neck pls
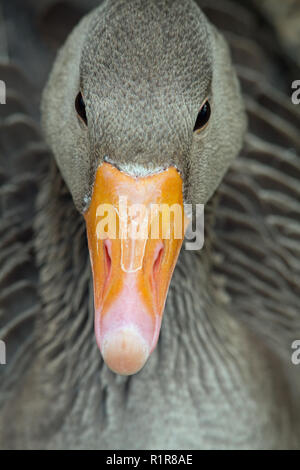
(203, 357)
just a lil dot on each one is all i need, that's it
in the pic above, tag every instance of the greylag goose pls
(143, 95)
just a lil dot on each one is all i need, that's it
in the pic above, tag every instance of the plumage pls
(221, 375)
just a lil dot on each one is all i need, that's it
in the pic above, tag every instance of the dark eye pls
(203, 117)
(80, 108)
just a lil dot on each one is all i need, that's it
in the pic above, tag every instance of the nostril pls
(157, 262)
(107, 257)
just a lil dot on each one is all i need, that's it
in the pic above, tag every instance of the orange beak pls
(135, 228)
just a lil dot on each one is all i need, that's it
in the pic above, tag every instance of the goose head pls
(142, 105)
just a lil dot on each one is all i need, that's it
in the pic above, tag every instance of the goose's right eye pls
(202, 118)
(80, 108)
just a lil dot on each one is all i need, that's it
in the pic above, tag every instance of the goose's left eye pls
(202, 118)
(80, 108)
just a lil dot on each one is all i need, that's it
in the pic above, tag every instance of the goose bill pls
(135, 228)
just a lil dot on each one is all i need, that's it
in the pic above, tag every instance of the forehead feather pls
(143, 46)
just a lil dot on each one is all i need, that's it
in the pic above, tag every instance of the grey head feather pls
(144, 69)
